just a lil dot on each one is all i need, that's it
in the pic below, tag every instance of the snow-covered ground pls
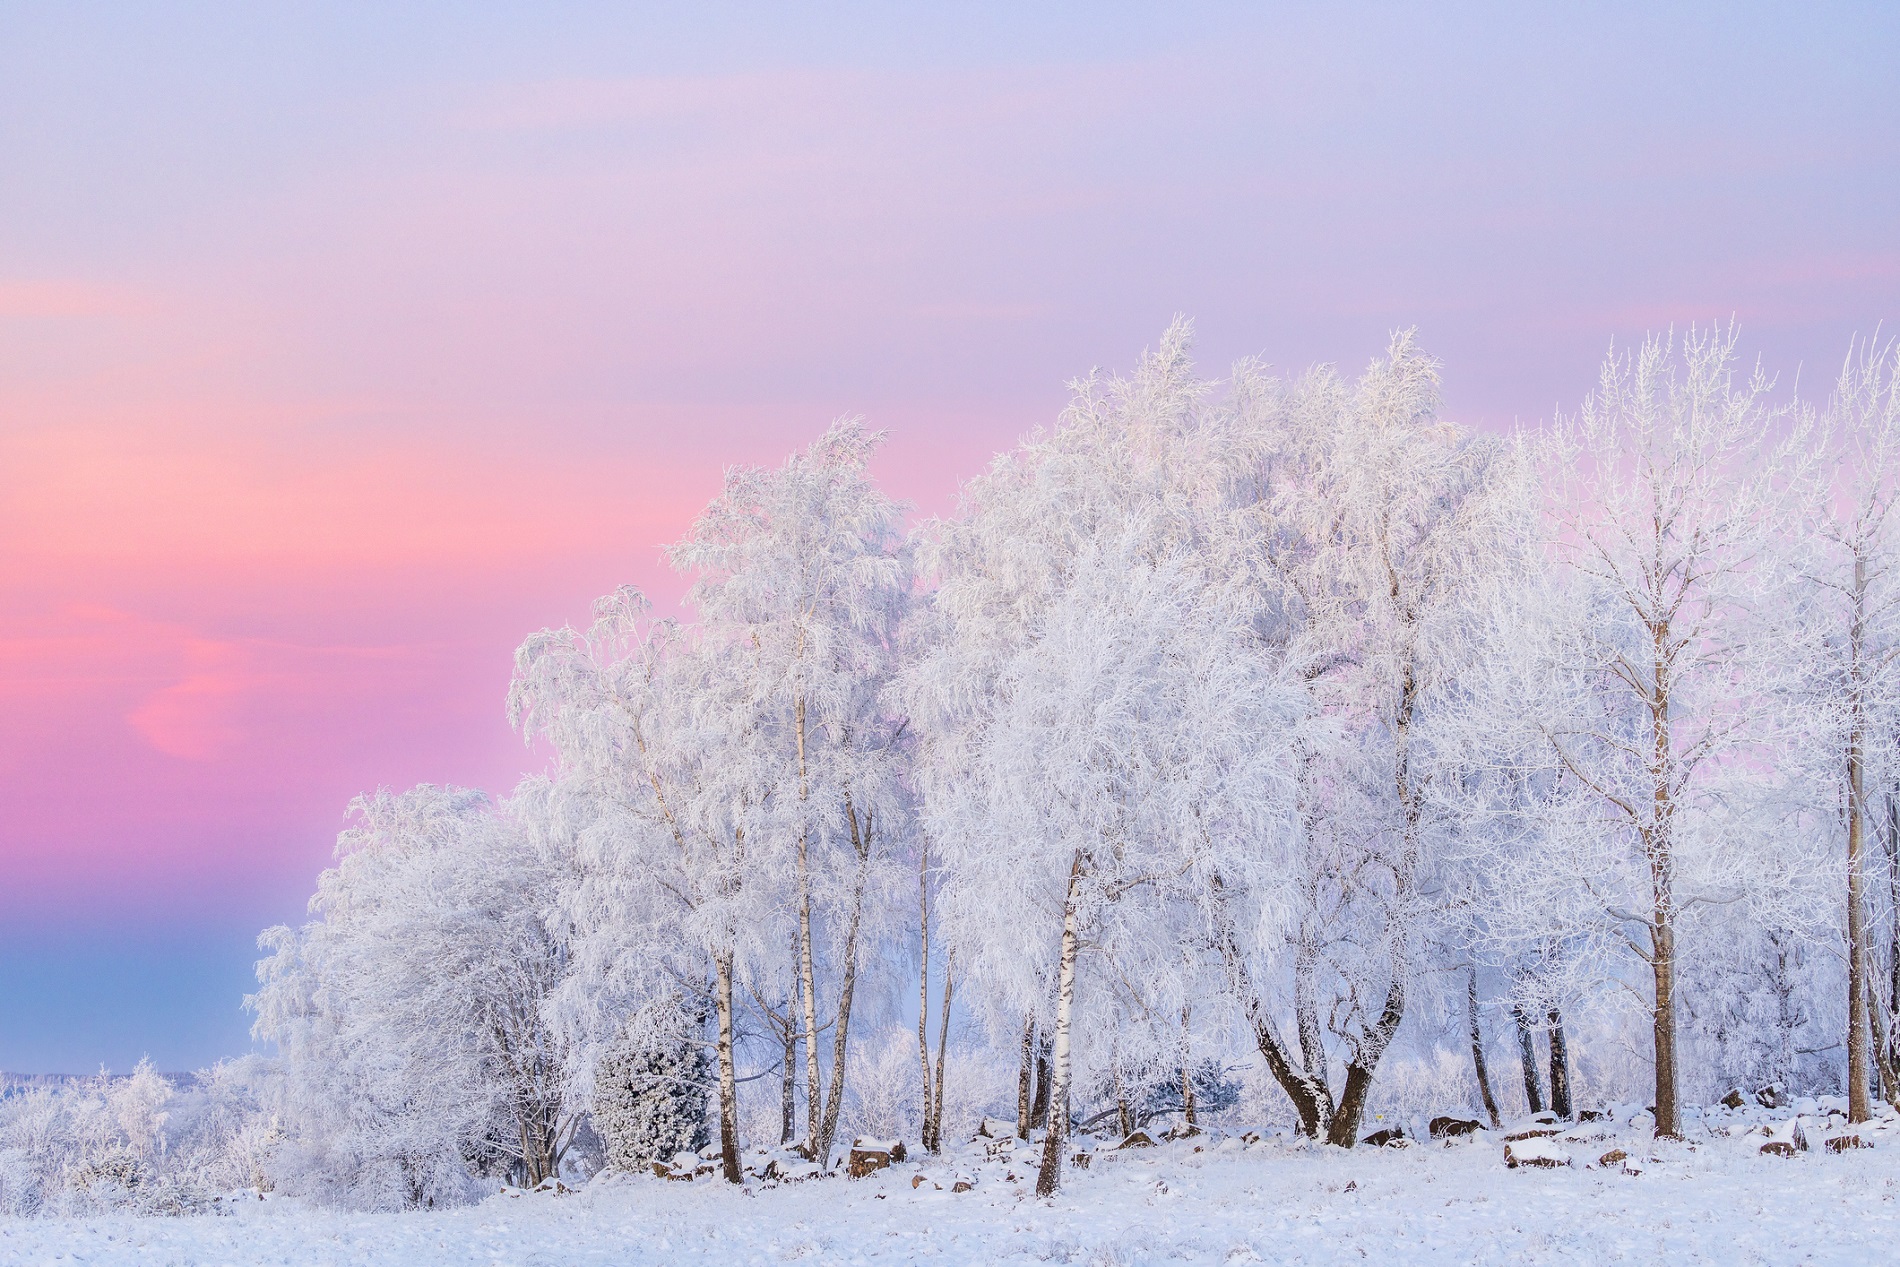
(1713, 1198)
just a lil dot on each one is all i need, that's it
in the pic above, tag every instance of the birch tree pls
(802, 569)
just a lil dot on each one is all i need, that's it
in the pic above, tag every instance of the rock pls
(1081, 1160)
(1137, 1139)
(1532, 1132)
(1593, 1115)
(962, 1185)
(1614, 1157)
(1777, 1148)
(1842, 1143)
(1733, 1100)
(663, 1171)
(1772, 1096)
(1453, 1127)
(1536, 1151)
(1386, 1138)
(1250, 1138)
(866, 1161)
(917, 1180)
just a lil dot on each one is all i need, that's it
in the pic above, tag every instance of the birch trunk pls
(807, 974)
(1057, 1136)
(1026, 1082)
(834, 1101)
(943, 1046)
(923, 995)
(1477, 1048)
(728, 1080)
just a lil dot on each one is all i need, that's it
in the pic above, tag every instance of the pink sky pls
(340, 350)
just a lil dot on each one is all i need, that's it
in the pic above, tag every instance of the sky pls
(342, 346)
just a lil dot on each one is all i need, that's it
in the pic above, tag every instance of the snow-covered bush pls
(650, 1100)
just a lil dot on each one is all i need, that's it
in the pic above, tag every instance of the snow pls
(1204, 1200)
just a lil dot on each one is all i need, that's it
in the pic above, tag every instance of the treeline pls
(1267, 717)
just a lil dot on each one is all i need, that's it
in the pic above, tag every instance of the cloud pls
(197, 717)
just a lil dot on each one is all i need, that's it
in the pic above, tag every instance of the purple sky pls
(342, 347)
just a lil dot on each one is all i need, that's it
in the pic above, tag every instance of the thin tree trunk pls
(1883, 1063)
(807, 974)
(943, 1047)
(1187, 1077)
(1025, 1082)
(1559, 1068)
(923, 992)
(1527, 1054)
(1477, 1048)
(1057, 1136)
(1858, 1107)
(1039, 1107)
(834, 1101)
(1890, 1046)
(788, 1079)
(728, 1080)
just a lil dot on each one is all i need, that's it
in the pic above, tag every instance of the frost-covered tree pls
(1844, 621)
(1663, 495)
(1373, 524)
(803, 570)
(1109, 740)
(678, 888)
(410, 1011)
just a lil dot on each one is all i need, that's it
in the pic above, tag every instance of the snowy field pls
(1712, 1198)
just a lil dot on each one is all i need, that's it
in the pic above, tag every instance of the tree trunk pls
(1559, 1068)
(1659, 846)
(1057, 1136)
(1187, 1072)
(1527, 1054)
(1039, 1107)
(923, 993)
(1025, 1082)
(728, 1080)
(807, 974)
(1890, 1046)
(1858, 1107)
(935, 1143)
(1668, 1116)
(788, 1081)
(834, 1101)
(1344, 1131)
(1883, 1063)
(1311, 1097)
(1477, 1048)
